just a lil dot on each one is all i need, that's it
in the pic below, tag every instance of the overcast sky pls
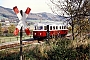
(35, 5)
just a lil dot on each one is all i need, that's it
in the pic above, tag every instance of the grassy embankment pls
(59, 49)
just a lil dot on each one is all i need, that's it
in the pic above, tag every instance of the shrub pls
(62, 52)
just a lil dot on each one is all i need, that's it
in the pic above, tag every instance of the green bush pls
(9, 56)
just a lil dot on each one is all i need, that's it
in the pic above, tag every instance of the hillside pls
(9, 13)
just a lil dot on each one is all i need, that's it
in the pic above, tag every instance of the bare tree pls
(74, 9)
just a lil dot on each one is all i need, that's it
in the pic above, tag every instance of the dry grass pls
(77, 43)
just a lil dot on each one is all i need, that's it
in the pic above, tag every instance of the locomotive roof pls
(50, 23)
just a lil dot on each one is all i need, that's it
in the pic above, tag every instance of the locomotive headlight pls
(34, 33)
(40, 33)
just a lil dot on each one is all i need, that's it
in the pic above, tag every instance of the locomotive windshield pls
(41, 27)
(38, 27)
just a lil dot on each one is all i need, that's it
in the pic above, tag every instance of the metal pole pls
(48, 32)
(21, 43)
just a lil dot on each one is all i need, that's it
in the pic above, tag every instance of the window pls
(60, 27)
(53, 27)
(56, 27)
(40, 27)
(50, 27)
(64, 27)
(35, 27)
(45, 28)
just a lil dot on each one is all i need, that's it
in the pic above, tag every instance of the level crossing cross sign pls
(22, 17)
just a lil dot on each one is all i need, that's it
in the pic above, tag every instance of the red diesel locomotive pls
(55, 29)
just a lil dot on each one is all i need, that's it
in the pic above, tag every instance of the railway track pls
(17, 43)
(24, 42)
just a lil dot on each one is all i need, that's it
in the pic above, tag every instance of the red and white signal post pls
(21, 25)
